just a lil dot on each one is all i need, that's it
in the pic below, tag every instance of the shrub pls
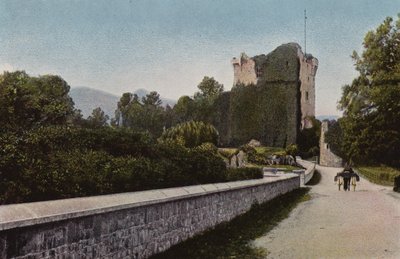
(193, 133)
(245, 173)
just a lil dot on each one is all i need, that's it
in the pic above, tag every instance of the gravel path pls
(333, 224)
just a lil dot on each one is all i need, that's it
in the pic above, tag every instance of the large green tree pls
(98, 118)
(142, 115)
(204, 99)
(371, 106)
(27, 102)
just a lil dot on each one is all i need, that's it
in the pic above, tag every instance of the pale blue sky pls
(169, 45)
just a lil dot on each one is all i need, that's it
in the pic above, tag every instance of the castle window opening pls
(306, 95)
(287, 63)
(258, 71)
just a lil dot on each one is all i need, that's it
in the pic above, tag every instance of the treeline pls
(48, 151)
(369, 132)
(148, 114)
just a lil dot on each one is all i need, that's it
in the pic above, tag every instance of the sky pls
(169, 45)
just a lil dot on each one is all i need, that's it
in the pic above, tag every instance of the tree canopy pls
(27, 102)
(371, 106)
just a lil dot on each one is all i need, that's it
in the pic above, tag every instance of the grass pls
(269, 151)
(383, 175)
(233, 239)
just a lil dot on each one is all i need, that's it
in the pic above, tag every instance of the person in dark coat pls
(347, 174)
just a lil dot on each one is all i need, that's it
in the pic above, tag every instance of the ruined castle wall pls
(279, 97)
(308, 69)
(266, 114)
(244, 70)
(327, 158)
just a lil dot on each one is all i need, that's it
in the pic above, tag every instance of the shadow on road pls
(316, 179)
(232, 239)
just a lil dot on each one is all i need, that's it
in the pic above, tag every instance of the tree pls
(192, 133)
(371, 122)
(27, 102)
(145, 115)
(98, 118)
(308, 139)
(184, 109)
(209, 88)
(204, 100)
(334, 137)
(152, 117)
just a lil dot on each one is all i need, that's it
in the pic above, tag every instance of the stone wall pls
(308, 172)
(308, 70)
(326, 157)
(128, 225)
(244, 70)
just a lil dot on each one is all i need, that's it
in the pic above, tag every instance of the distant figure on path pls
(347, 177)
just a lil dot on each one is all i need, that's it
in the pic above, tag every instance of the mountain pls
(86, 99)
(327, 117)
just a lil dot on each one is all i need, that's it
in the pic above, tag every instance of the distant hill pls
(86, 99)
(327, 117)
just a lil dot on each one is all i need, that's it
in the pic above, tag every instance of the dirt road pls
(333, 224)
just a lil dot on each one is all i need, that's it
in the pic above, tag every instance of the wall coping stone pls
(310, 168)
(28, 214)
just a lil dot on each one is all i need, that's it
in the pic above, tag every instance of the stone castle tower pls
(281, 66)
(327, 158)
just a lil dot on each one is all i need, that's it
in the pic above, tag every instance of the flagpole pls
(305, 31)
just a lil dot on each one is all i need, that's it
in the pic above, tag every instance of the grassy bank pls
(383, 175)
(232, 239)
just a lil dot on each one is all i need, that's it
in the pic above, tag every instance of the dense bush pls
(48, 151)
(308, 139)
(62, 162)
(192, 133)
(245, 173)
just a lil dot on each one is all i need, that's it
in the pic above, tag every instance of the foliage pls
(334, 137)
(98, 118)
(27, 102)
(308, 139)
(261, 112)
(379, 174)
(62, 162)
(209, 89)
(371, 122)
(48, 151)
(204, 100)
(184, 109)
(141, 115)
(193, 133)
(244, 173)
(292, 150)
(227, 152)
(269, 151)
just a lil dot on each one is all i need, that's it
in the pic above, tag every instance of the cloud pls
(6, 67)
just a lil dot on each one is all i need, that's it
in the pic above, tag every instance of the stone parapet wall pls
(128, 225)
(309, 170)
